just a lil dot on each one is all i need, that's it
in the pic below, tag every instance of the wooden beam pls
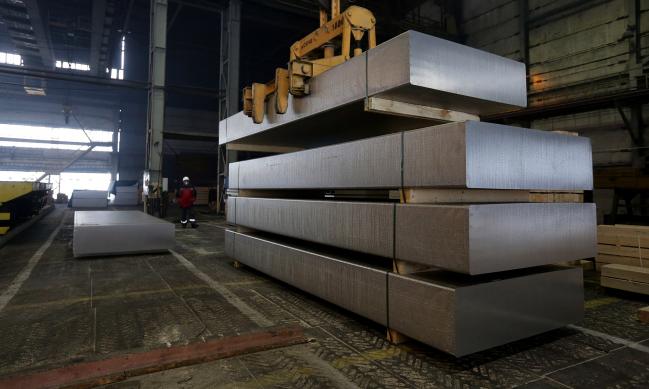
(398, 108)
(624, 251)
(262, 148)
(626, 272)
(121, 367)
(604, 259)
(643, 315)
(626, 285)
(454, 196)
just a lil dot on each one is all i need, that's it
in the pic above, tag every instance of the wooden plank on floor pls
(626, 272)
(121, 367)
(629, 286)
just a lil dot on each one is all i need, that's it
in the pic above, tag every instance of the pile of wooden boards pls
(623, 256)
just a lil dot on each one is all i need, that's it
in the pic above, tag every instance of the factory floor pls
(57, 311)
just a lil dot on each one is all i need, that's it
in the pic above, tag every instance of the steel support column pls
(635, 46)
(98, 20)
(156, 103)
(229, 84)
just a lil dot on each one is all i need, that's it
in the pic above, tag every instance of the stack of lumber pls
(623, 245)
(623, 256)
(463, 257)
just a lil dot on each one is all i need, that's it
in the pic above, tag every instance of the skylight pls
(26, 133)
(72, 65)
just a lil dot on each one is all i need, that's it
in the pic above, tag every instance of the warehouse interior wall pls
(579, 53)
(573, 50)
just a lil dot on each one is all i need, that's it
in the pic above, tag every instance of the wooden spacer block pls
(404, 267)
(643, 315)
(396, 337)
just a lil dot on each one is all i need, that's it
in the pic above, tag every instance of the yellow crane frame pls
(312, 55)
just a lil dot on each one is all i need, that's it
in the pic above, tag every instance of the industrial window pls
(11, 59)
(58, 137)
(72, 65)
(118, 74)
(70, 181)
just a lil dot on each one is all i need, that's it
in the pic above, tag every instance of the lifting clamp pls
(311, 56)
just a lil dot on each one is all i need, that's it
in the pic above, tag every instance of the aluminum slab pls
(360, 289)
(462, 315)
(471, 154)
(454, 313)
(470, 239)
(487, 238)
(364, 227)
(120, 232)
(412, 67)
(89, 199)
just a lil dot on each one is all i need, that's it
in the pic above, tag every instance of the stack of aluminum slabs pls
(89, 199)
(484, 270)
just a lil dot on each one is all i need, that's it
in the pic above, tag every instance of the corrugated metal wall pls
(577, 50)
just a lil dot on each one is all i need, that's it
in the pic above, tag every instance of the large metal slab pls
(473, 155)
(360, 289)
(462, 315)
(470, 239)
(487, 238)
(120, 232)
(412, 67)
(486, 155)
(370, 163)
(358, 226)
(89, 199)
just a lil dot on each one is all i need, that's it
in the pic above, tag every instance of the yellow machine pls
(19, 201)
(313, 55)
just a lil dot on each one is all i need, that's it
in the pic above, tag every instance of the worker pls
(186, 196)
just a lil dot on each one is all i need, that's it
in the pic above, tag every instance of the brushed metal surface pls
(485, 155)
(437, 71)
(462, 315)
(231, 210)
(412, 67)
(357, 288)
(459, 155)
(501, 156)
(120, 232)
(487, 238)
(358, 226)
(371, 163)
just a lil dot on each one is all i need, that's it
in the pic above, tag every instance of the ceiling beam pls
(97, 26)
(56, 142)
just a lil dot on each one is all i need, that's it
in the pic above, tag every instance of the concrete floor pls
(66, 310)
